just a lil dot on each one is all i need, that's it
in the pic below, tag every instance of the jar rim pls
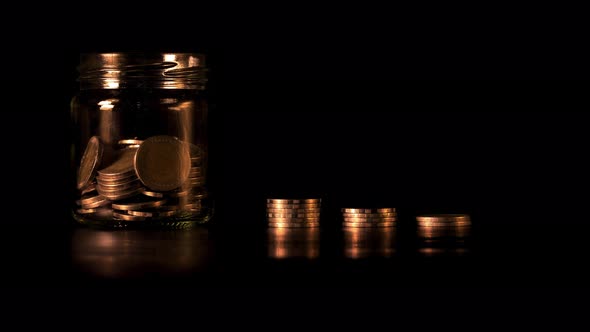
(118, 70)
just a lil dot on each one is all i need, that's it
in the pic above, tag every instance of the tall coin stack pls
(160, 177)
(293, 213)
(383, 217)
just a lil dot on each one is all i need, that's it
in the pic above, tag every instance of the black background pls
(358, 108)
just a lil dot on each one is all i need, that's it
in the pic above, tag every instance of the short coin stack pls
(293, 213)
(432, 226)
(147, 180)
(383, 217)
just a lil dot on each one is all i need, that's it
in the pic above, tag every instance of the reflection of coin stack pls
(293, 212)
(161, 177)
(369, 241)
(294, 242)
(384, 217)
(443, 233)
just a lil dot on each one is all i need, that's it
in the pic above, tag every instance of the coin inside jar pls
(162, 163)
(121, 167)
(90, 162)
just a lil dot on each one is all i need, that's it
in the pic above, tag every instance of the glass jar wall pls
(140, 141)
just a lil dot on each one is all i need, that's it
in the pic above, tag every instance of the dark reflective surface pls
(294, 242)
(369, 241)
(443, 240)
(133, 254)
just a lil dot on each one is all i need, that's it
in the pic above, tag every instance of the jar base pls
(180, 222)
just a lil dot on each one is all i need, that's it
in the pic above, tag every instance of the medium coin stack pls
(156, 178)
(432, 226)
(293, 213)
(383, 217)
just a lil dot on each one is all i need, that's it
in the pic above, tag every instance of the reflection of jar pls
(140, 140)
(135, 253)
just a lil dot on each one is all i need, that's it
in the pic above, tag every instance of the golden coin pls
(123, 194)
(89, 199)
(130, 142)
(293, 215)
(292, 211)
(104, 201)
(293, 225)
(90, 188)
(444, 218)
(370, 211)
(294, 201)
(151, 213)
(127, 217)
(153, 194)
(162, 163)
(116, 178)
(121, 167)
(293, 206)
(371, 220)
(115, 188)
(87, 211)
(359, 224)
(295, 220)
(443, 224)
(90, 162)
(138, 205)
(370, 215)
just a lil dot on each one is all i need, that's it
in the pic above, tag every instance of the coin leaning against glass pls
(90, 162)
(162, 163)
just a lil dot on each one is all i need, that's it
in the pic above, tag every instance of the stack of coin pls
(382, 217)
(443, 234)
(293, 213)
(433, 226)
(160, 177)
(118, 180)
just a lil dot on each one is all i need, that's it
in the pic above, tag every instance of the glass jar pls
(140, 140)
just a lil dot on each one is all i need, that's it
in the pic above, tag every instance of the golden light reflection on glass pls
(107, 105)
(109, 121)
(369, 242)
(293, 242)
(131, 254)
(170, 57)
